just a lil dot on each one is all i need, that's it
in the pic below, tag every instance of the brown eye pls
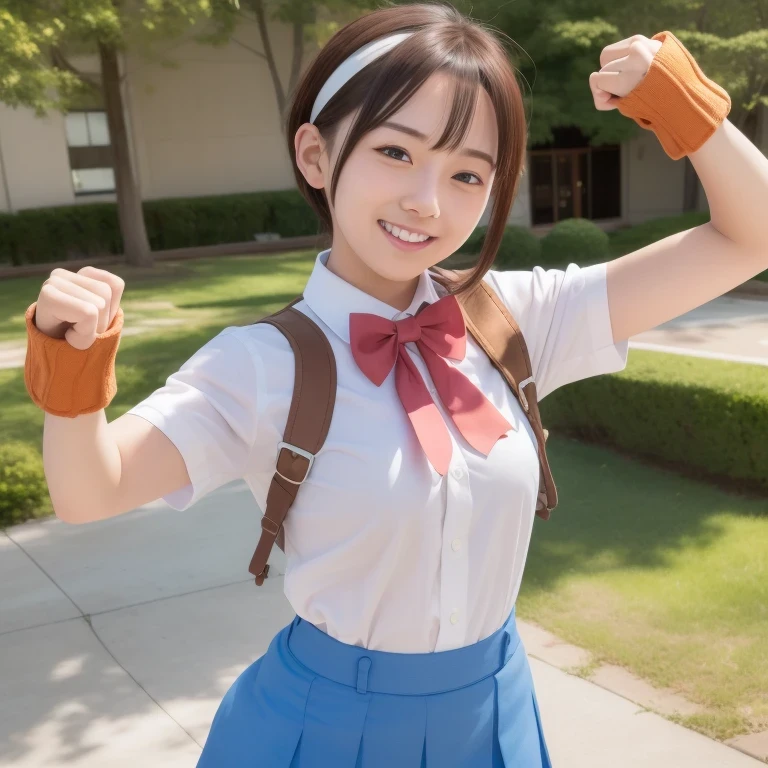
(383, 150)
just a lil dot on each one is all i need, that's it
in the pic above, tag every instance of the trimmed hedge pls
(40, 235)
(61, 233)
(708, 417)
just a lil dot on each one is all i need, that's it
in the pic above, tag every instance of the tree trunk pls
(296, 59)
(130, 212)
(261, 20)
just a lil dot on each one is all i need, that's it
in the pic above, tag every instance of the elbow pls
(76, 510)
(67, 517)
(83, 514)
(63, 510)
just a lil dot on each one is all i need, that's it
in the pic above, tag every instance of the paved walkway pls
(119, 638)
(732, 327)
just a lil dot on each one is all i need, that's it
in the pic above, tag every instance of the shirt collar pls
(332, 298)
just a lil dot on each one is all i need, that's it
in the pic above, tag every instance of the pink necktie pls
(439, 332)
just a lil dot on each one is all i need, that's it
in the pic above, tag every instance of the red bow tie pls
(439, 332)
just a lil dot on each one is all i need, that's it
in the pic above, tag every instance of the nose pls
(422, 199)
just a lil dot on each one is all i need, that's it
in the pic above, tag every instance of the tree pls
(37, 41)
(730, 43)
(312, 24)
(556, 45)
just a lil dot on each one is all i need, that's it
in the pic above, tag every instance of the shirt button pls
(457, 472)
(454, 617)
(456, 545)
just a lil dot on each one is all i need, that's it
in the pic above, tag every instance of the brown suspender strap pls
(309, 418)
(496, 331)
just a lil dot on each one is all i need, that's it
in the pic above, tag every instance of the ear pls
(310, 154)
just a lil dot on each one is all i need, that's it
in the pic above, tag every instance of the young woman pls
(407, 541)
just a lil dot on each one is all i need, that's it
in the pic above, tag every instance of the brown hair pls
(443, 40)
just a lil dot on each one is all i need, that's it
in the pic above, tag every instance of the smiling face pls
(393, 176)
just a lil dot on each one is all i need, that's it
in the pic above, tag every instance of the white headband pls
(352, 65)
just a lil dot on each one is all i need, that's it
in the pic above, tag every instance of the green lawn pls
(663, 575)
(200, 297)
(219, 291)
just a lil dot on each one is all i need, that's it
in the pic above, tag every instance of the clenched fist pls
(78, 306)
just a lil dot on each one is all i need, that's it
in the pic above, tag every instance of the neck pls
(349, 267)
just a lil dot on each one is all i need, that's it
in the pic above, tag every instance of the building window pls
(569, 178)
(90, 151)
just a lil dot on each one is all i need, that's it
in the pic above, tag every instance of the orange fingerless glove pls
(676, 100)
(66, 381)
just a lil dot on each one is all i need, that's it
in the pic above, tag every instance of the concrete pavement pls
(731, 327)
(119, 638)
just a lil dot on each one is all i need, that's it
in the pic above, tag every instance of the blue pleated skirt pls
(313, 702)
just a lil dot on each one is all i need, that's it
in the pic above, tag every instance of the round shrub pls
(574, 240)
(23, 488)
(519, 249)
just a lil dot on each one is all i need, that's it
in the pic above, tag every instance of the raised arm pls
(96, 470)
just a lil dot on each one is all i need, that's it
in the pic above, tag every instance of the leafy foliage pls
(38, 39)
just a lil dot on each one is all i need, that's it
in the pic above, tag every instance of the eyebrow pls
(423, 137)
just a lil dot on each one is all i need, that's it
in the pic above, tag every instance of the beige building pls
(210, 126)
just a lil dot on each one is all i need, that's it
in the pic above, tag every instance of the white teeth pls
(404, 234)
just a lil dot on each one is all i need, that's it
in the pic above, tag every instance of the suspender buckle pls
(523, 398)
(294, 450)
(268, 524)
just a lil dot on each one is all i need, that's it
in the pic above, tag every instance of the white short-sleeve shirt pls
(381, 551)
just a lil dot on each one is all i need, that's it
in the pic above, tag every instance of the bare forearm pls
(734, 174)
(82, 465)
